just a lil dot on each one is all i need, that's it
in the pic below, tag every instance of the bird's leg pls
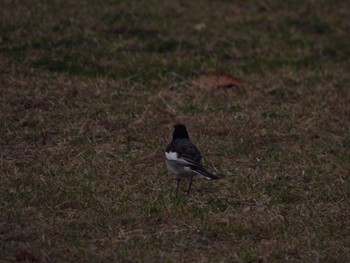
(177, 187)
(189, 187)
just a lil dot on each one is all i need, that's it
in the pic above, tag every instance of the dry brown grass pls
(89, 92)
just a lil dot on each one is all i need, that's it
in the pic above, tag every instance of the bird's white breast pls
(171, 156)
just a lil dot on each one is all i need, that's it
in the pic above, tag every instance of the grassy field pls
(90, 91)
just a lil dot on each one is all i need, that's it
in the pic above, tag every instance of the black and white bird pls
(184, 159)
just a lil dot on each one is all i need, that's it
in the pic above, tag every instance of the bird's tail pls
(201, 171)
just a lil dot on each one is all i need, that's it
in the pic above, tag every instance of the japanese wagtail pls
(184, 159)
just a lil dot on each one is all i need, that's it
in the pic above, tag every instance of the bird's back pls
(185, 148)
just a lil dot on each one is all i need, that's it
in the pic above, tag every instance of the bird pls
(184, 159)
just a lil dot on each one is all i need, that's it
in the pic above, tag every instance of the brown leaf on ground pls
(25, 256)
(143, 162)
(70, 204)
(214, 80)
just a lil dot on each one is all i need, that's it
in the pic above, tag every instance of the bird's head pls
(180, 131)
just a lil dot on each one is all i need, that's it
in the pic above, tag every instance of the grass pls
(90, 91)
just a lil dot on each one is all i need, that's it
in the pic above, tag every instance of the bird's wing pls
(196, 167)
(187, 162)
(187, 151)
(183, 152)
